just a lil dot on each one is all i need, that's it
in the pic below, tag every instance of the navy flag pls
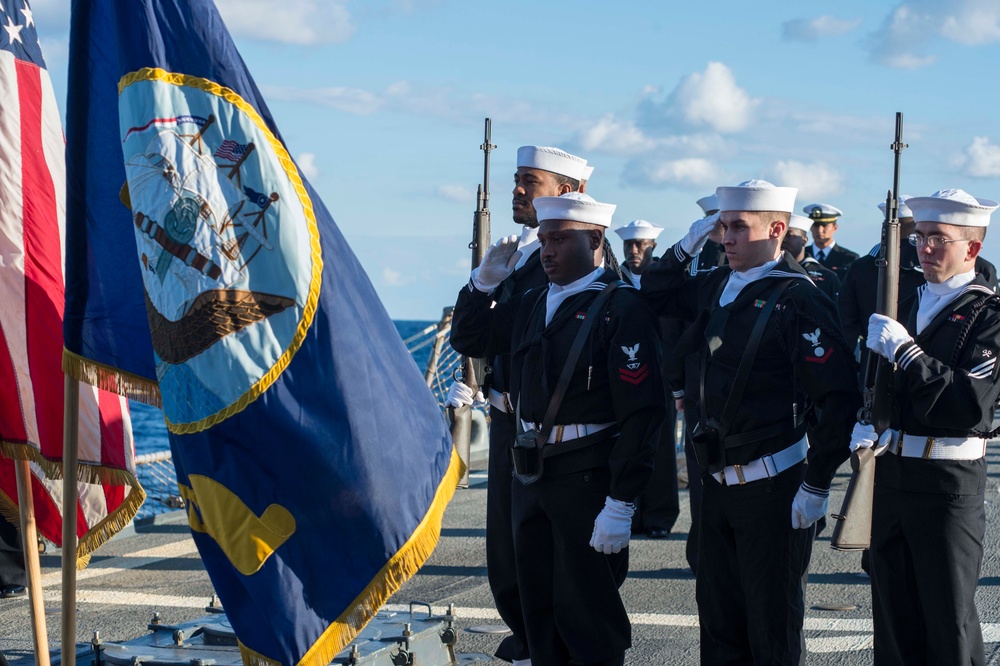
(315, 462)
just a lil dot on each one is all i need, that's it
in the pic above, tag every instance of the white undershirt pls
(633, 277)
(527, 244)
(740, 279)
(935, 297)
(556, 294)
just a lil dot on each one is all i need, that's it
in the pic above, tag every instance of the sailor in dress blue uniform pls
(928, 519)
(541, 171)
(572, 521)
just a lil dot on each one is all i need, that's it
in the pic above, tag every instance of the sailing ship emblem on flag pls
(229, 270)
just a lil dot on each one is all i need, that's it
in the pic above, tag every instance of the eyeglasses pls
(933, 242)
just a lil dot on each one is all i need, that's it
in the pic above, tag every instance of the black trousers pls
(501, 571)
(659, 504)
(926, 556)
(573, 611)
(695, 490)
(750, 572)
(12, 570)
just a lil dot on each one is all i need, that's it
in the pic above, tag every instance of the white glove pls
(886, 336)
(810, 504)
(863, 437)
(459, 394)
(498, 262)
(698, 234)
(613, 527)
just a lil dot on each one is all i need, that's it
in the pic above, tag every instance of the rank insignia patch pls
(819, 354)
(636, 376)
(633, 362)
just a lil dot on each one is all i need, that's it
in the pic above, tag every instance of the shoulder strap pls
(746, 363)
(574, 354)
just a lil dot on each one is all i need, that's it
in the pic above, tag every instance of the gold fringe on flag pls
(401, 567)
(111, 379)
(110, 525)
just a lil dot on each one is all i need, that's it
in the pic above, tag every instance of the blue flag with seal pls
(313, 491)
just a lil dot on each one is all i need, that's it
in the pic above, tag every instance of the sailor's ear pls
(596, 239)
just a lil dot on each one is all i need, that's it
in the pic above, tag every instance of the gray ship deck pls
(156, 568)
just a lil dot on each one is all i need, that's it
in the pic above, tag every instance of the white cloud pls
(981, 159)
(350, 100)
(972, 23)
(393, 278)
(907, 35)
(622, 138)
(307, 164)
(292, 22)
(614, 137)
(810, 30)
(688, 172)
(458, 193)
(709, 99)
(815, 180)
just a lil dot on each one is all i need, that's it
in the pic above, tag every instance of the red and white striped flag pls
(32, 249)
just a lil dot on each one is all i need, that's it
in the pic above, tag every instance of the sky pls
(382, 105)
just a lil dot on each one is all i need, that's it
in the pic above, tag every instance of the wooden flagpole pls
(29, 542)
(71, 412)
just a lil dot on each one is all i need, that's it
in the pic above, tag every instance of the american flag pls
(230, 150)
(32, 249)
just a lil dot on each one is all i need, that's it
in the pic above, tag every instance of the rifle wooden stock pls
(852, 529)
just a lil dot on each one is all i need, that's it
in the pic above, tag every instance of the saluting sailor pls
(542, 171)
(928, 518)
(824, 248)
(794, 244)
(573, 493)
(770, 354)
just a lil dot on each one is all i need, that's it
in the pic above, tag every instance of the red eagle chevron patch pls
(636, 376)
(819, 359)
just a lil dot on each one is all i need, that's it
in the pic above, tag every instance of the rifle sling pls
(567, 372)
(743, 373)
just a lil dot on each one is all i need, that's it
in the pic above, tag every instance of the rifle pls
(853, 525)
(472, 371)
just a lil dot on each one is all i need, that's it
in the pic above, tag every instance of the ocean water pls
(150, 432)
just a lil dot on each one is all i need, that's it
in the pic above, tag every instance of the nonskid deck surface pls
(158, 570)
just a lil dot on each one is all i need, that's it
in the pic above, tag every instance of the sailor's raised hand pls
(498, 262)
(698, 234)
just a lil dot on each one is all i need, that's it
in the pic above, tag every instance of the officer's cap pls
(902, 209)
(575, 207)
(639, 230)
(956, 207)
(551, 159)
(800, 223)
(822, 213)
(709, 204)
(756, 195)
